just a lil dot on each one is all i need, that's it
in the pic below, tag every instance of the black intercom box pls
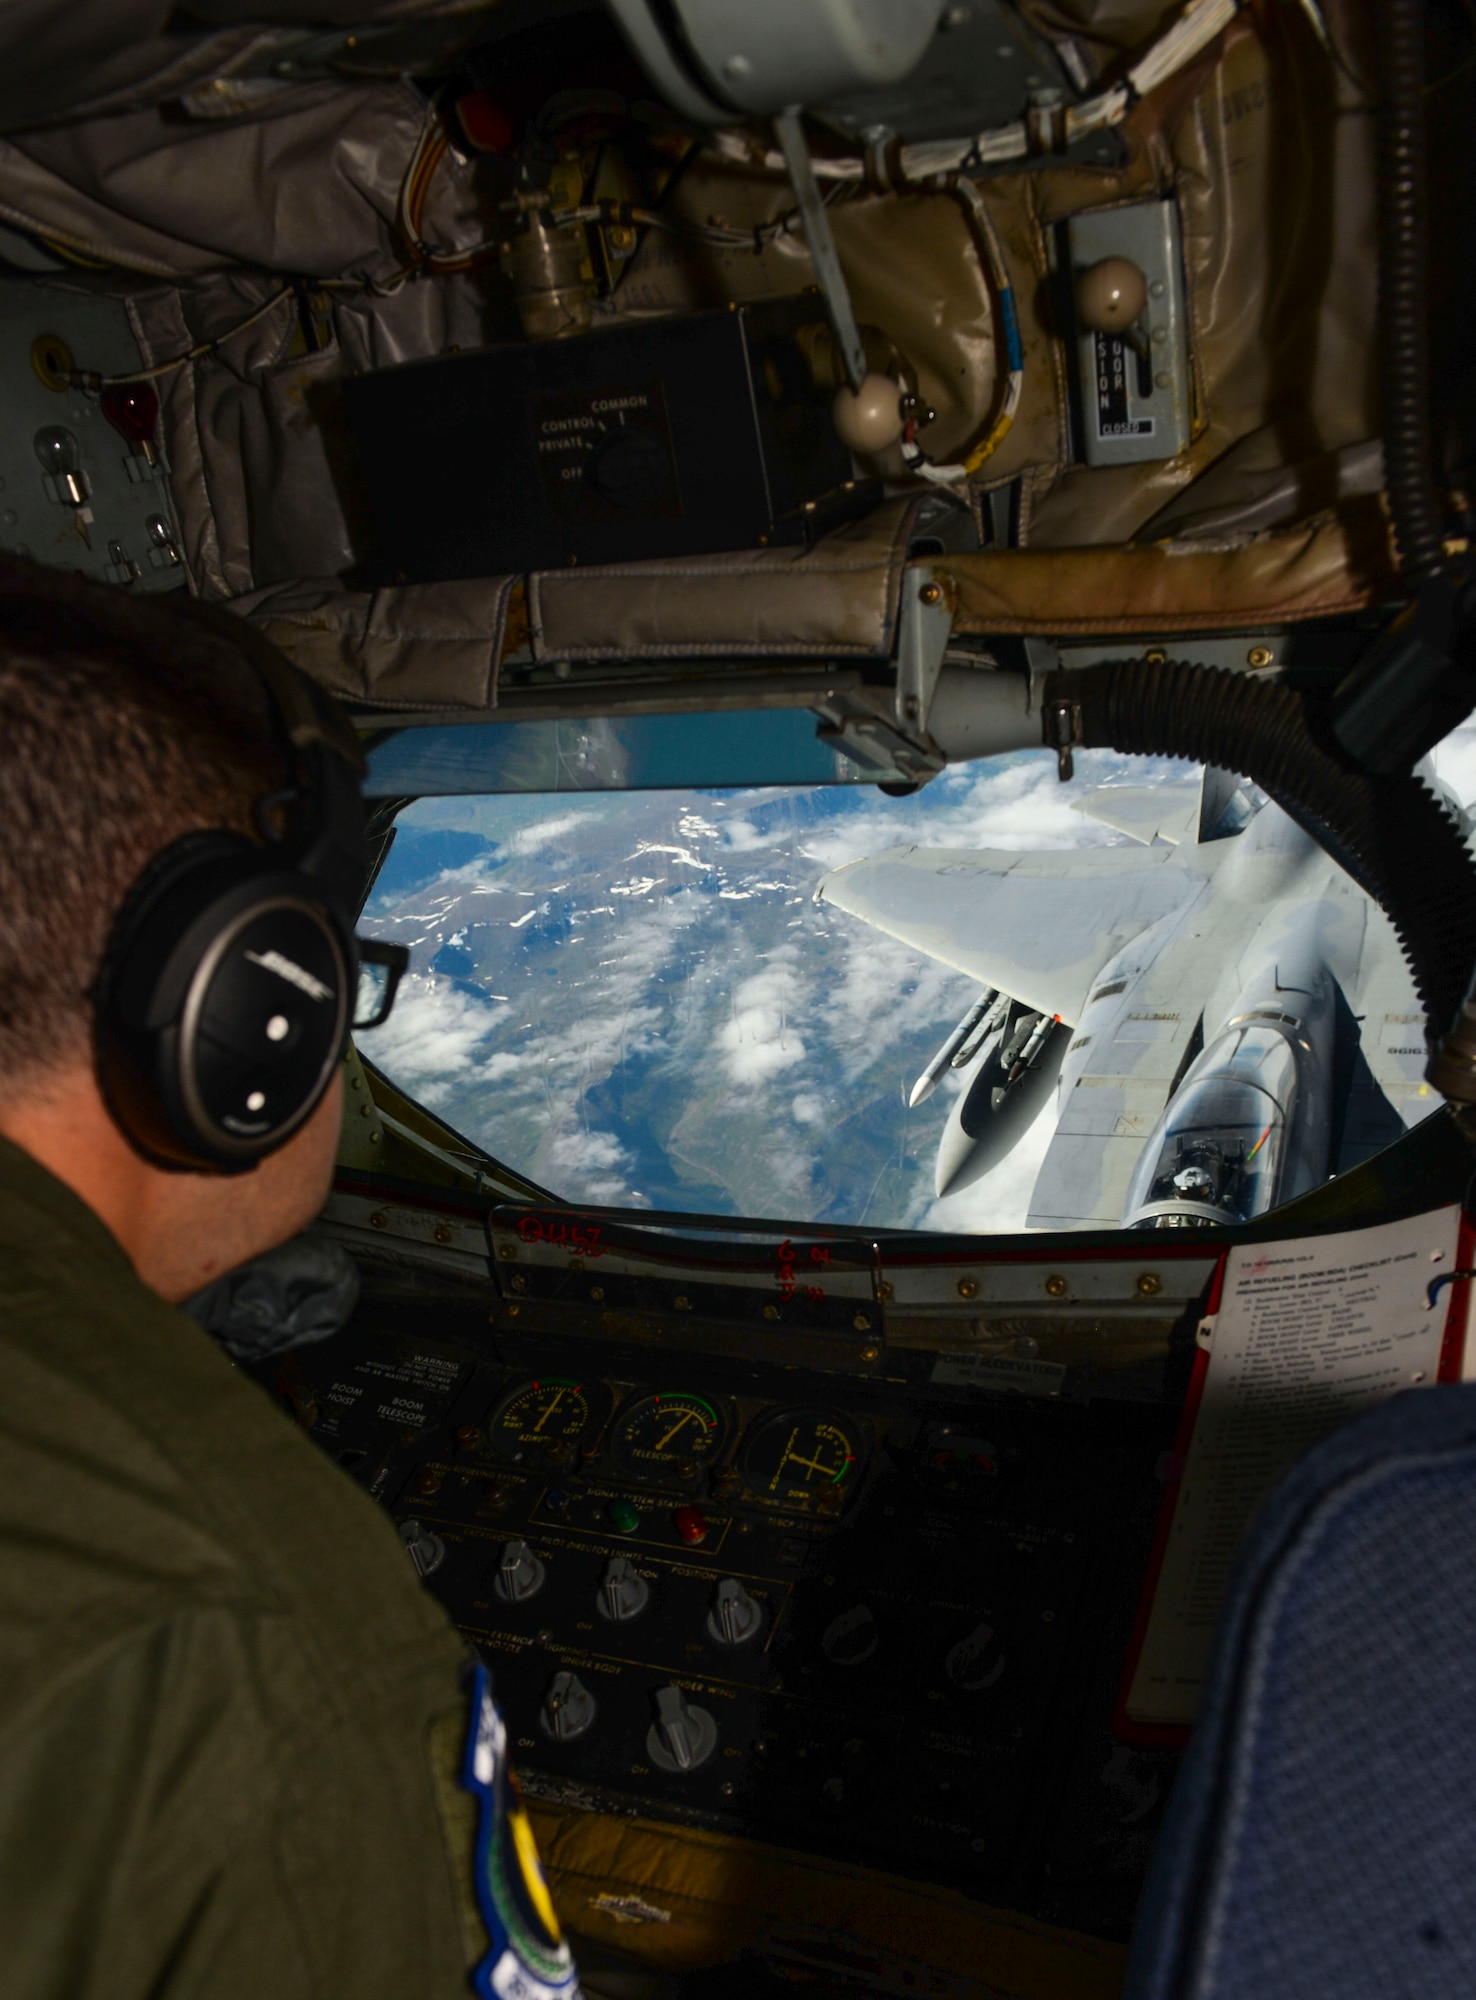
(668, 437)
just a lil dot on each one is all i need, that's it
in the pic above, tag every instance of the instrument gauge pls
(539, 1419)
(951, 1460)
(670, 1436)
(802, 1458)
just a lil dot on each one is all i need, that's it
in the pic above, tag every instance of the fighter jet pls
(1224, 1015)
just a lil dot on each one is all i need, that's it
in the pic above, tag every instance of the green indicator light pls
(624, 1518)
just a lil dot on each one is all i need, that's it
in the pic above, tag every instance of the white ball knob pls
(1111, 295)
(868, 419)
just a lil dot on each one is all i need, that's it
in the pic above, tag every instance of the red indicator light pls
(485, 124)
(132, 408)
(691, 1524)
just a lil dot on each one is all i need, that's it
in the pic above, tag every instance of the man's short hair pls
(125, 723)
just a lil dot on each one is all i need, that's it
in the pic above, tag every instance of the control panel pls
(676, 436)
(879, 1621)
(1133, 381)
(84, 480)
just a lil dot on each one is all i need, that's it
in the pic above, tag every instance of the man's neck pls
(179, 1230)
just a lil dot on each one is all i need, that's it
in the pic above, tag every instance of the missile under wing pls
(1223, 955)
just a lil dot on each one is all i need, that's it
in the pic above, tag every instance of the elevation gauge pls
(801, 1458)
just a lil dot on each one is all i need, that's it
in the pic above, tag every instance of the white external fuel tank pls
(1005, 1087)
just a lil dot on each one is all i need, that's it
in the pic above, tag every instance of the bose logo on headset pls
(227, 990)
(293, 974)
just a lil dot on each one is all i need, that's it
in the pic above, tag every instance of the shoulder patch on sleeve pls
(528, 1958)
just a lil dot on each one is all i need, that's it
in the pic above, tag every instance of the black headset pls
(228, 987)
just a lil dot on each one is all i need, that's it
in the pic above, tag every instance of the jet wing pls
(1038, 926)
(1145, 812)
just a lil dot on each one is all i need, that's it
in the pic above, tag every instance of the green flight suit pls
(232, 1721)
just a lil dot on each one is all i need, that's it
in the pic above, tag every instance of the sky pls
(633, 999)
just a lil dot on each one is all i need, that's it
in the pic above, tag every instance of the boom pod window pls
(968, 1009)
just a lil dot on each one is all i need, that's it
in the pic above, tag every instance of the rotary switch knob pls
(519, 1574)
(683, 1736)
(425, 1550)
(735, 1616)
(568, 1710)
(628, 467)
(976, 1662)
(852, 1638)
(624, 1592)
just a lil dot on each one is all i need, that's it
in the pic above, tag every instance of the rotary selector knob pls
(852, 1638)
(568, 1710)
(735, 1616)
(976, 1662)
(519, 1574)
(628, 467)
(683, 1736)
(425, 1550)
(624, 1592)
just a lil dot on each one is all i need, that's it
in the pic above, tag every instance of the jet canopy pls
(1220, 1150)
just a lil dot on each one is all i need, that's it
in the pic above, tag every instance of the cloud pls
(433, 1041)
(533, 839)
(757, 1040)
(887, 993)
(741, 836)
(590, 1166)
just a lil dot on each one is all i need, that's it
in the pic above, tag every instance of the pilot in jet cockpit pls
(737, 999)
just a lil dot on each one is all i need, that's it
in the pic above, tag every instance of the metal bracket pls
(823, 254)
(1062, 734)
(1042, 659)
(924, 624)
(1135, 387)
(874, 742)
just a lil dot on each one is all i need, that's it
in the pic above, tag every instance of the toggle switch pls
(624, 1593)
(683, 1736)
(425, 1550)
(519, 1574)
(735, 1617)
(568, 1709)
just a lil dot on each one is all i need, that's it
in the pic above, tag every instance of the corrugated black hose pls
(1404, 251)
(1418, 678)
(1391, 833)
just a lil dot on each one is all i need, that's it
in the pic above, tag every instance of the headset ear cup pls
(222, 1006)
